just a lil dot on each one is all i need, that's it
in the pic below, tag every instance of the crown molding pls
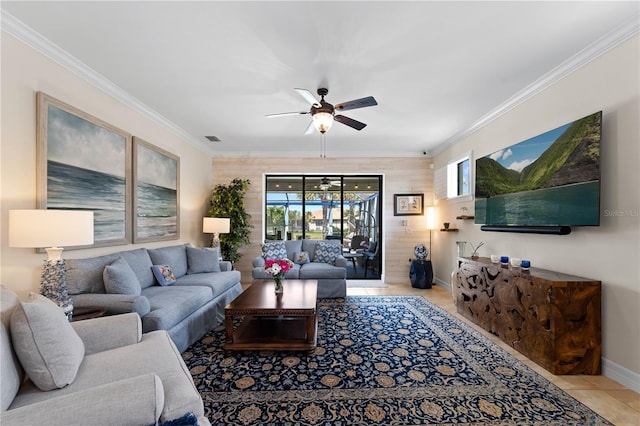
(598, 48)
(22, 32)
(16, 28)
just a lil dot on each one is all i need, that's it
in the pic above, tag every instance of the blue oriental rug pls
(380, 360)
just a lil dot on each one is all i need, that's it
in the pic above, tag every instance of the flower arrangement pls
(277, 268)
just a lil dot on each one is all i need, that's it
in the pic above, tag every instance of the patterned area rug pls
(380, 360)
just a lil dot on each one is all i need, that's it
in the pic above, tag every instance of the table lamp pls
(216, 226)
(52, 229)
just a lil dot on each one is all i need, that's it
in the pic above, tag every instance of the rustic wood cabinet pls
(552, 318)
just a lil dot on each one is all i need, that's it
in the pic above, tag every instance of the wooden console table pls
(552, 318)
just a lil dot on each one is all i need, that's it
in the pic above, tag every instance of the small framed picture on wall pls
(408, 204)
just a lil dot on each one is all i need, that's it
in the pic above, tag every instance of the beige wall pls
(24, 72)
(400, 175)
(611, 252)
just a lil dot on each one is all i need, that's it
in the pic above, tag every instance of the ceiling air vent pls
(213, 138)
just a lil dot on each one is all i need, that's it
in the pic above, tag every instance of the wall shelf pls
(449, 230)
(465, 217)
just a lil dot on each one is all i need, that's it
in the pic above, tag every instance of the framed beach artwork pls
(156, 193)
(83, 163)
(408, 204)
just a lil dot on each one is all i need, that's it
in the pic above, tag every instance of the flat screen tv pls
(551, 180)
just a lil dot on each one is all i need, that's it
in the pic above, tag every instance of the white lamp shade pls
(216, 225)
(431, 217)
(50, 228)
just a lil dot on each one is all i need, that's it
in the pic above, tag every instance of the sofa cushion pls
(203, 259)
(301, 257)
(259, 273)
(119, 278)
(85, 275)
(164, 275)
(49, 349)
(321, 271)
(174, 256)
(327, 252)
(274, 250)
(170, 305)
(218, 282)
(292, 247)
(140, 262)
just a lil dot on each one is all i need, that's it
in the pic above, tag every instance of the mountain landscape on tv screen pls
(574, 157)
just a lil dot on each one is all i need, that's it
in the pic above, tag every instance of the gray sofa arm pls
(226, 265)
(113, 303)
(102, 334)
(144, 396)
(258, 262)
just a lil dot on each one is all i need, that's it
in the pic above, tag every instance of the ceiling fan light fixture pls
(322, 121)
(325, 184)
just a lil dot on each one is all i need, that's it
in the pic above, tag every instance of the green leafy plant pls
(228, 201)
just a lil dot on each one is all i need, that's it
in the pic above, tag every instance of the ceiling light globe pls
(322, 121)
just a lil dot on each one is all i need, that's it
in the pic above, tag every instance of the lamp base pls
(53, 285)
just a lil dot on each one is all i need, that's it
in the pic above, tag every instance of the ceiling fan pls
(323, 113)
(325, 183)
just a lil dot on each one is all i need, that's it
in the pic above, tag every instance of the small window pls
(459, 177)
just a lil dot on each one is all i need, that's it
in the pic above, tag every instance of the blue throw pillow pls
(163, 274)
(301, 257)
(327, 252)
(274, 250)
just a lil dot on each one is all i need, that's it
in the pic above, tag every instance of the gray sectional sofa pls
(124, 282)
(321, 260)
(101, 371)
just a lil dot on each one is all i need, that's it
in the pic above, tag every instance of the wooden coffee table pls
(277, 322)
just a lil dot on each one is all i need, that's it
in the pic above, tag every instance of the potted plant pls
(228, 201)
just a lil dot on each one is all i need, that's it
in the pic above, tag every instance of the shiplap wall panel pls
(401, 175)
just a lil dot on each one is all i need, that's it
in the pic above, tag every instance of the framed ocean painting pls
(84, 164)
(156, 194)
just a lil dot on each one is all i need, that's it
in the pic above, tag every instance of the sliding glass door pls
(346, 208)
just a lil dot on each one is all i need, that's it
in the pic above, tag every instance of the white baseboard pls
(622, 375)
(610, 369)
(443, 284)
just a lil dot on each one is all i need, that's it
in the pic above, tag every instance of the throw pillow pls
(301, 257)
(176, 256)
(48, 348)
(327, 252)
(119, 278)
(203, 259)
(274, 250)
(163, 274)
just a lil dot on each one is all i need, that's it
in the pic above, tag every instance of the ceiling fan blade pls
(308, 96)
(284, 114)
(350, 122)
(357, 103)
(310, 128)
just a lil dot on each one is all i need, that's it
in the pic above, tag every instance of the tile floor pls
(608, 398)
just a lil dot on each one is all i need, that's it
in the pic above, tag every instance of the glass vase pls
(278, 284)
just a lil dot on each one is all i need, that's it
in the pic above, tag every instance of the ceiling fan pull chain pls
(323, 145)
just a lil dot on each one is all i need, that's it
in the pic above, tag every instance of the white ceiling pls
(437, 69)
